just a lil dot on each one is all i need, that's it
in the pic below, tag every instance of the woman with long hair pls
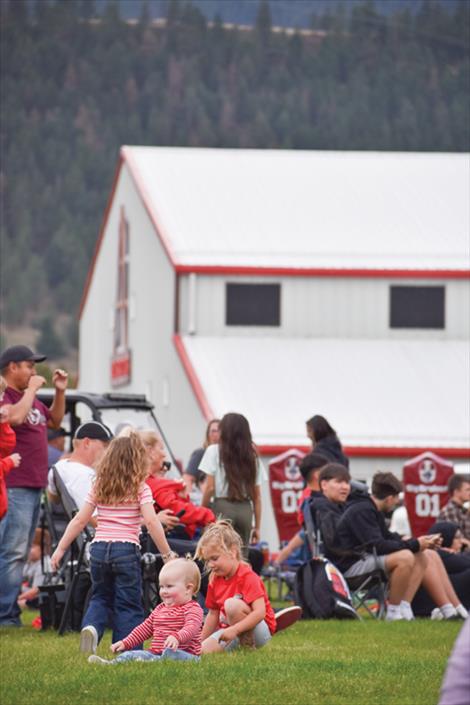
(234, 475)
(325, 440)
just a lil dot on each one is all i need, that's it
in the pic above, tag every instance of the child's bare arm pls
(29, 594)
(74, 527)
(211, 624)
(155, 528)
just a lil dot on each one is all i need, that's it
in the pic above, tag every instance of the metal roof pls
(307, 209)
(375, 393)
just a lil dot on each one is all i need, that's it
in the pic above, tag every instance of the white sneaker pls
(88, 639)
(406, 611)
(437, 614)
(394, 617)
(97, 659)
(286, 617)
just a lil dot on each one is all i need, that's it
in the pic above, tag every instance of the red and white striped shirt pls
(120, 522)
(182, 621)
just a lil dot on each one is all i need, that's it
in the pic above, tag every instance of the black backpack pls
(322, 592)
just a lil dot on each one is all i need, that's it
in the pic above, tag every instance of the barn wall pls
(323, 307)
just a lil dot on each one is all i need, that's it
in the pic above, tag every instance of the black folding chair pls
(152, 563)
(77, 564)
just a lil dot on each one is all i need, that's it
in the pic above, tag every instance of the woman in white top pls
(234, 475)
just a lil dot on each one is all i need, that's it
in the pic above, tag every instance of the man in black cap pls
(77, 472)
(30, 419)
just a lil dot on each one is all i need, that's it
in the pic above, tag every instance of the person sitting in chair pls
(407, 563)
(78, 470)
(298, 549)
(455, 510)
(172, 495)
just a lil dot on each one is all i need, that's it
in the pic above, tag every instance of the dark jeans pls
(116, 585)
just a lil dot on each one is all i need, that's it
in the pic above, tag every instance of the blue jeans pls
(116, 586)
(16, 533)
(167, 654)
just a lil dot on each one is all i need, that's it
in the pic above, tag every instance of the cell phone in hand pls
(180, 513)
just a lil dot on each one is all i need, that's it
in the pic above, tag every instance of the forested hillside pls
(75, 88)
(285, 13)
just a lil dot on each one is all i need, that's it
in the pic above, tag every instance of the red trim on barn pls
(147, 202)
(193, 378)
(373, 451)
(104, 223)
(324, 272)
(243, 269)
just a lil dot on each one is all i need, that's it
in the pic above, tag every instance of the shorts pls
(261, 636)
(367, 564)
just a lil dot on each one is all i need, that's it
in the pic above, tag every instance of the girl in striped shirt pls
(174, 626)
(122, 500)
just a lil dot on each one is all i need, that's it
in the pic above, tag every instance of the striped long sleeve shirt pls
(182, 621)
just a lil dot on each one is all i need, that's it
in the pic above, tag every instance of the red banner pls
(425, 479)
(286, 484)
(121, 369)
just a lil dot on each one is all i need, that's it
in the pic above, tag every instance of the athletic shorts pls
(367, 564)
(261, 635)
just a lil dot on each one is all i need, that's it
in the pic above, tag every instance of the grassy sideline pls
(313, 663)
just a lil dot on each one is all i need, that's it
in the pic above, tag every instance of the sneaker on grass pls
(437, 614)
(97, 659)
(286, 617)
(88, 639)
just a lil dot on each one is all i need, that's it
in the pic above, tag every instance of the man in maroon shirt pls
(30, 419)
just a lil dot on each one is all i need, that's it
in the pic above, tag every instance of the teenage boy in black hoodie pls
(408, 563)
(327, 507)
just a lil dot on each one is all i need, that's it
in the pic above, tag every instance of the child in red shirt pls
(240, 613)
(7, 444)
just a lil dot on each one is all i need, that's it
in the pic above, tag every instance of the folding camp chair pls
(152, 563)
(368, 591)
(77, 563)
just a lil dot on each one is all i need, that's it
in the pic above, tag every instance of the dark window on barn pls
(417, 307)
(253, 305)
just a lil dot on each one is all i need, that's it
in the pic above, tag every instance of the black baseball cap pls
(19, 353)
(95, 431)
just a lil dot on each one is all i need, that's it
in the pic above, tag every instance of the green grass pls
(313, 663)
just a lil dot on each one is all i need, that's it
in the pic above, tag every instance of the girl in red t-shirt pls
(240, 613)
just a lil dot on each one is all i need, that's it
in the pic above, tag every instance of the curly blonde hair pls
(223, 535)
(121, 471)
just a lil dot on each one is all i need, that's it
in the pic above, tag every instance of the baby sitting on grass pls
(175, 625)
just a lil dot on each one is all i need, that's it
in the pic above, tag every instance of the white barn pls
(281, 284)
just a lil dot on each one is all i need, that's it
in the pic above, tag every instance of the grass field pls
(313, 663)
